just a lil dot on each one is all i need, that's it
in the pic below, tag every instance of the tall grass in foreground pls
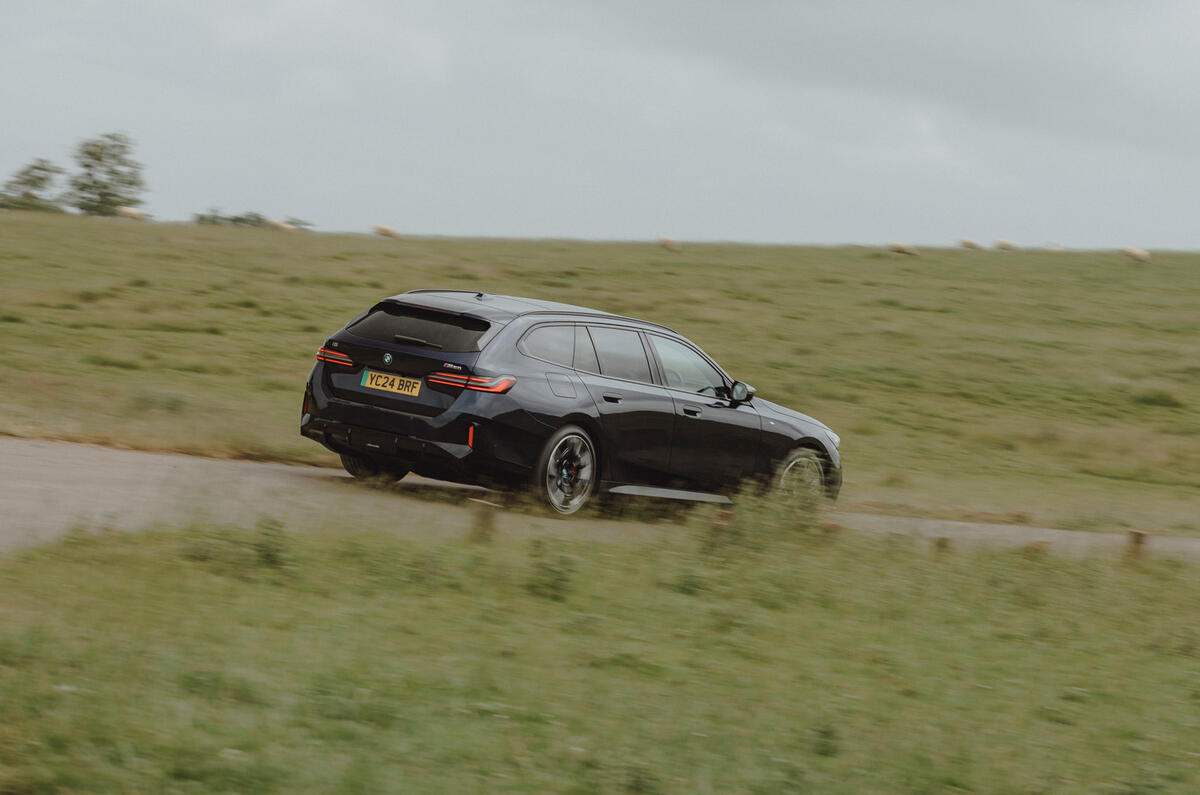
(761, 654)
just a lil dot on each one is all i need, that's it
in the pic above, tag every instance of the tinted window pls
(620, 353)
(585, 352)
(437, 330)
(685, 369)
(552, 343)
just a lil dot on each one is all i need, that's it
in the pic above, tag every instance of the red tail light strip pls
(498, 384)
(333, 357)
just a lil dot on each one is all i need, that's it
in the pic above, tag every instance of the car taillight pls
(498, 384)
(334, 357)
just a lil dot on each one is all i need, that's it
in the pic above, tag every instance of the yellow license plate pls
(391, 383)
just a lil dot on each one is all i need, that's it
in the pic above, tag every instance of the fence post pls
(483, 526)
(1137, 543)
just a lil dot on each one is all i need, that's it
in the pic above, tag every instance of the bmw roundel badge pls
(387, 358)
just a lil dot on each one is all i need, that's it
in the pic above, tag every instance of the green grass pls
(761, 657)
(1062, 387)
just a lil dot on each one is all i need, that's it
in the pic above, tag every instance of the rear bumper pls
(342, 437)
(470, 442)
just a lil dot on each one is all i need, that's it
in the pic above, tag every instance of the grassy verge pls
(1043, 387)
(759, 657)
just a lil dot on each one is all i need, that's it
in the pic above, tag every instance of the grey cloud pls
(771, 121)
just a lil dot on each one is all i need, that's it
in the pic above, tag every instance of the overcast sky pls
(1068, 122)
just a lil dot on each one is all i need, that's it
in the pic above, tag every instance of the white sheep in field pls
(130, 213)
(1055, 248)
(1136, 254)
(1005, 245)
(384, 231)
(279, 226)
(968, 243)
(670, 244)
(903, 248)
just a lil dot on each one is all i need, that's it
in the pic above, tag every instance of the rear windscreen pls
(422, 328)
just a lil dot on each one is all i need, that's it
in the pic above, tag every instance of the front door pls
(716, 442)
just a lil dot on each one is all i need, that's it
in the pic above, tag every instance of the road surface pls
(48, 488)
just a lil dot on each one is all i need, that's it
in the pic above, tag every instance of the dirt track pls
(47, 488)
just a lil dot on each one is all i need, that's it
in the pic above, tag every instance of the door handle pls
(691, 411)
(612, 397)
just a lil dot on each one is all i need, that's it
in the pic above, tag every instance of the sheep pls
(1005, 245)
(903, 248)
(670, 244)
(384, 231)
(279, 226)
(1055, 248)
(130, 213)
(968, 243)
(1136, 254)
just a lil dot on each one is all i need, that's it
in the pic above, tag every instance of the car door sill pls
(669, 494)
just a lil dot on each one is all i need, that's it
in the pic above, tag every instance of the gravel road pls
(47, 488)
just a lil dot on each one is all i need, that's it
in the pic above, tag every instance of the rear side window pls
(621, 353)
(409, 325)
(550, 343)
(585, 352)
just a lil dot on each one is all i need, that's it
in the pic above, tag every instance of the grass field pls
(761, 658)
(1051, 388)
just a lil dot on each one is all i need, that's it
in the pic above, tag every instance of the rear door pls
(715, 442)
(636, 414)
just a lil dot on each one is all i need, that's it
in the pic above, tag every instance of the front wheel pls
(802, 476)
(567, 471)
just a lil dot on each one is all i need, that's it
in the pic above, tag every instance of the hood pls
(767, 407)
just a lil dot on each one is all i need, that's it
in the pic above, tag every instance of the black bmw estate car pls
(499, 390)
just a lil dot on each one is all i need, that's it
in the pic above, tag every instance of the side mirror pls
(740, 393)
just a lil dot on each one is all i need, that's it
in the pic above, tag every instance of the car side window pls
(685, 369)
(620, 353)
(585, 352)
(551, 343)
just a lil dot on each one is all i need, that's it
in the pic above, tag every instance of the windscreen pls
(423, 328)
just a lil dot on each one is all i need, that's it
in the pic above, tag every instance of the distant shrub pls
(101, 360)
(1157, 397)
(26, 204)
(171, 402)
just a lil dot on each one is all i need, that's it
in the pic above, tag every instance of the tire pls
(567, 471)
(801, 476)
(358, 466)
(364, 468)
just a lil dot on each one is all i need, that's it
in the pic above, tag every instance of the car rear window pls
(410, 325)
(551, 343)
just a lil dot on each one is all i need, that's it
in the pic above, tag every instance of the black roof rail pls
(598, 315)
